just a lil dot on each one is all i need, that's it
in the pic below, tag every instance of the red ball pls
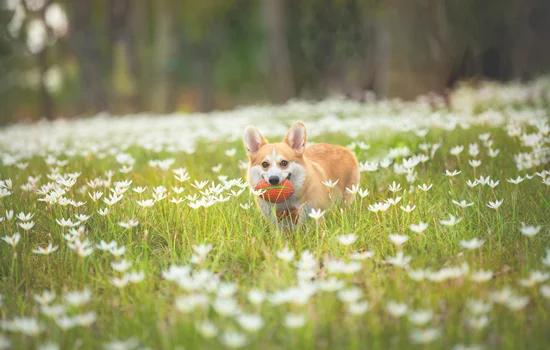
(275, 193)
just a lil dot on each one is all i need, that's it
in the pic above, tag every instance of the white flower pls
(529, 230)
(117, 251)
(233, 339)
(330, 184)
(473, 149)
(190, 302)
(479, 322)
(78, 298)
(358, 307)
(81, 248)
(546, 259)
(225, 306)
(26, 225)
(119, 282)
(25, 217)
(316, 214)
(256, 296)
(481, 276)
(207, 329)
(455, 151)
(45, 251)
(176, 200)
(419, 228)
(478, 307)
(128, 344)
(493, 183)
(474, 163)
(251, 323)
(353, 190)
(45, 298)
(517, 302)
(398, 239)
(106, 246)
(202, 250)
(535, 277)
(82, 217)
(393, 201)
(146, 203)
(347, 239)
(285, 254)
(381, 206)
(231, 152)
(294, 320)
(423, 336)
(363, 192)
(396, 309)
(545, 291)
(135, 276)
(399, 260)
(350, 295)
(331, 284)
(226, 289)
(496, 204)
(199, 185)
(474, 243)
(13, 239)
(5, 342)
(425, 187)
(471, 183)
(121, 266)
(463, 203)
(417, 275)
(420, 317)
(362, 255)
(394, 187)
(408, 208)
(451, 222)
(516, 181)
(131, 223)
(67, 223)
(483, 180)
(453, 173)
(493, 152)
(27, 325)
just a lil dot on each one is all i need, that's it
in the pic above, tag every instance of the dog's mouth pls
(288, 177)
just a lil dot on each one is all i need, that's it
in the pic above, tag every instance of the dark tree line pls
(164, 55)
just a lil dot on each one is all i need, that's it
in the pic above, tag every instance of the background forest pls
(76, 58)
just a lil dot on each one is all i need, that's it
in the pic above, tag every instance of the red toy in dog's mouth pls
(275, 193)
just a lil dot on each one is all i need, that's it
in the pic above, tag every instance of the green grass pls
(244, 247)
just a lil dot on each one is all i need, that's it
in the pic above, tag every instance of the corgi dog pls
(305, 167)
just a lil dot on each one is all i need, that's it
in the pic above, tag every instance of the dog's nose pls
(274, 180)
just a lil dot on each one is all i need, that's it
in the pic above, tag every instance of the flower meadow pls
(140, 232)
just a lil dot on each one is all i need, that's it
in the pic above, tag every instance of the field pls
(140, 231)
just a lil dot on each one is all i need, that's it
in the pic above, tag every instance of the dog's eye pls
(284, 163)
(265, 164)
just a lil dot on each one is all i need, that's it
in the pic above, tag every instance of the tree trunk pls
(83, 41)
(163, 48)
(280, 69)
(45, 98)
(205, 77)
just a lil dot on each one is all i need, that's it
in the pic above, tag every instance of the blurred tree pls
(163, 55)
(280, 69)
(84, 41)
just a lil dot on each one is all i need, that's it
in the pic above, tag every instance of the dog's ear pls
(253, 140)
(296, 137)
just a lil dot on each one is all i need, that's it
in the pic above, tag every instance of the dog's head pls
(275, 162)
